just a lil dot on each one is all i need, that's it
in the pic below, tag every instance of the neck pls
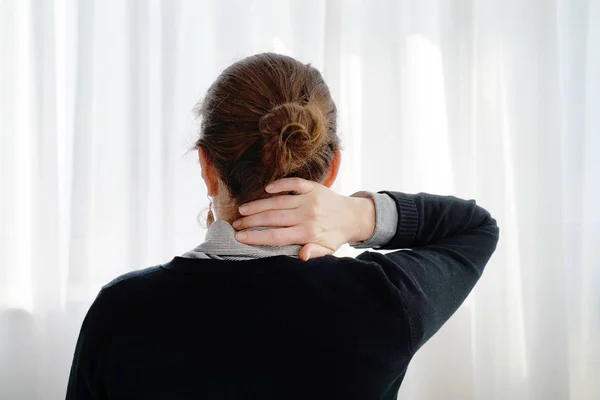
(226, 211)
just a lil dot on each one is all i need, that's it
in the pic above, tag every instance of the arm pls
(87, 362)
(450, 242)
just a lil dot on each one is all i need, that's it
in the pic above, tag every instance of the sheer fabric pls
(492, 100)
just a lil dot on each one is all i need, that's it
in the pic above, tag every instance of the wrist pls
(362, 219)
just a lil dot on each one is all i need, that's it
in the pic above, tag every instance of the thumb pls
(313, 250)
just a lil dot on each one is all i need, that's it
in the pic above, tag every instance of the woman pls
(267, 312)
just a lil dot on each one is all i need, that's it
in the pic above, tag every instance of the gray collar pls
(220, 243)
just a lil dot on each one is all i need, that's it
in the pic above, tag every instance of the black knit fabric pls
(280, 328)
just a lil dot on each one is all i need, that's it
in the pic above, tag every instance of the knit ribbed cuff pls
(409, 219)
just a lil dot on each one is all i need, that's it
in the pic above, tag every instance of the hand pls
(316, 217)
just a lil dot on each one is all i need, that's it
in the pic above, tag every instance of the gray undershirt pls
(220, 242)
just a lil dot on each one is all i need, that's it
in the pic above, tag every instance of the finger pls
(272, 237)
(297, 185)
(269, 218)
(313, 250)
(271, 203)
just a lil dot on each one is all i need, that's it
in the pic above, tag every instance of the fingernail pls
(243, 209)
(241, 236)
(236, 223)
(308, 256)
(270, 187)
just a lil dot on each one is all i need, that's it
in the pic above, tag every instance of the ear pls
(335, 168)
(208, 173)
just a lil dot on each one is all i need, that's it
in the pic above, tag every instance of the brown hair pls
(266, 117)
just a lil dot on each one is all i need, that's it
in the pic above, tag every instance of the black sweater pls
(280, 328)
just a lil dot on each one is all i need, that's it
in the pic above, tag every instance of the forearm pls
(377, 219)
(426, 219)
(362, 221)
(394, 220)
(444, 245)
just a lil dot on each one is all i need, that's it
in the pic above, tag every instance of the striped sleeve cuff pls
(386, 220)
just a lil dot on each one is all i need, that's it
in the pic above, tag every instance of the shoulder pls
(134, 278)
(131, 288)
(124, 293)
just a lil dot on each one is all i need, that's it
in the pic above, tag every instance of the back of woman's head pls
(267, 117)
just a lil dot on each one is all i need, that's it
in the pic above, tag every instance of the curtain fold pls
(492, 100)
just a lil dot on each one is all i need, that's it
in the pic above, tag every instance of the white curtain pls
(486, 99)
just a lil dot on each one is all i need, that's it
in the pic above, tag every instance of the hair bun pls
(292, 133)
